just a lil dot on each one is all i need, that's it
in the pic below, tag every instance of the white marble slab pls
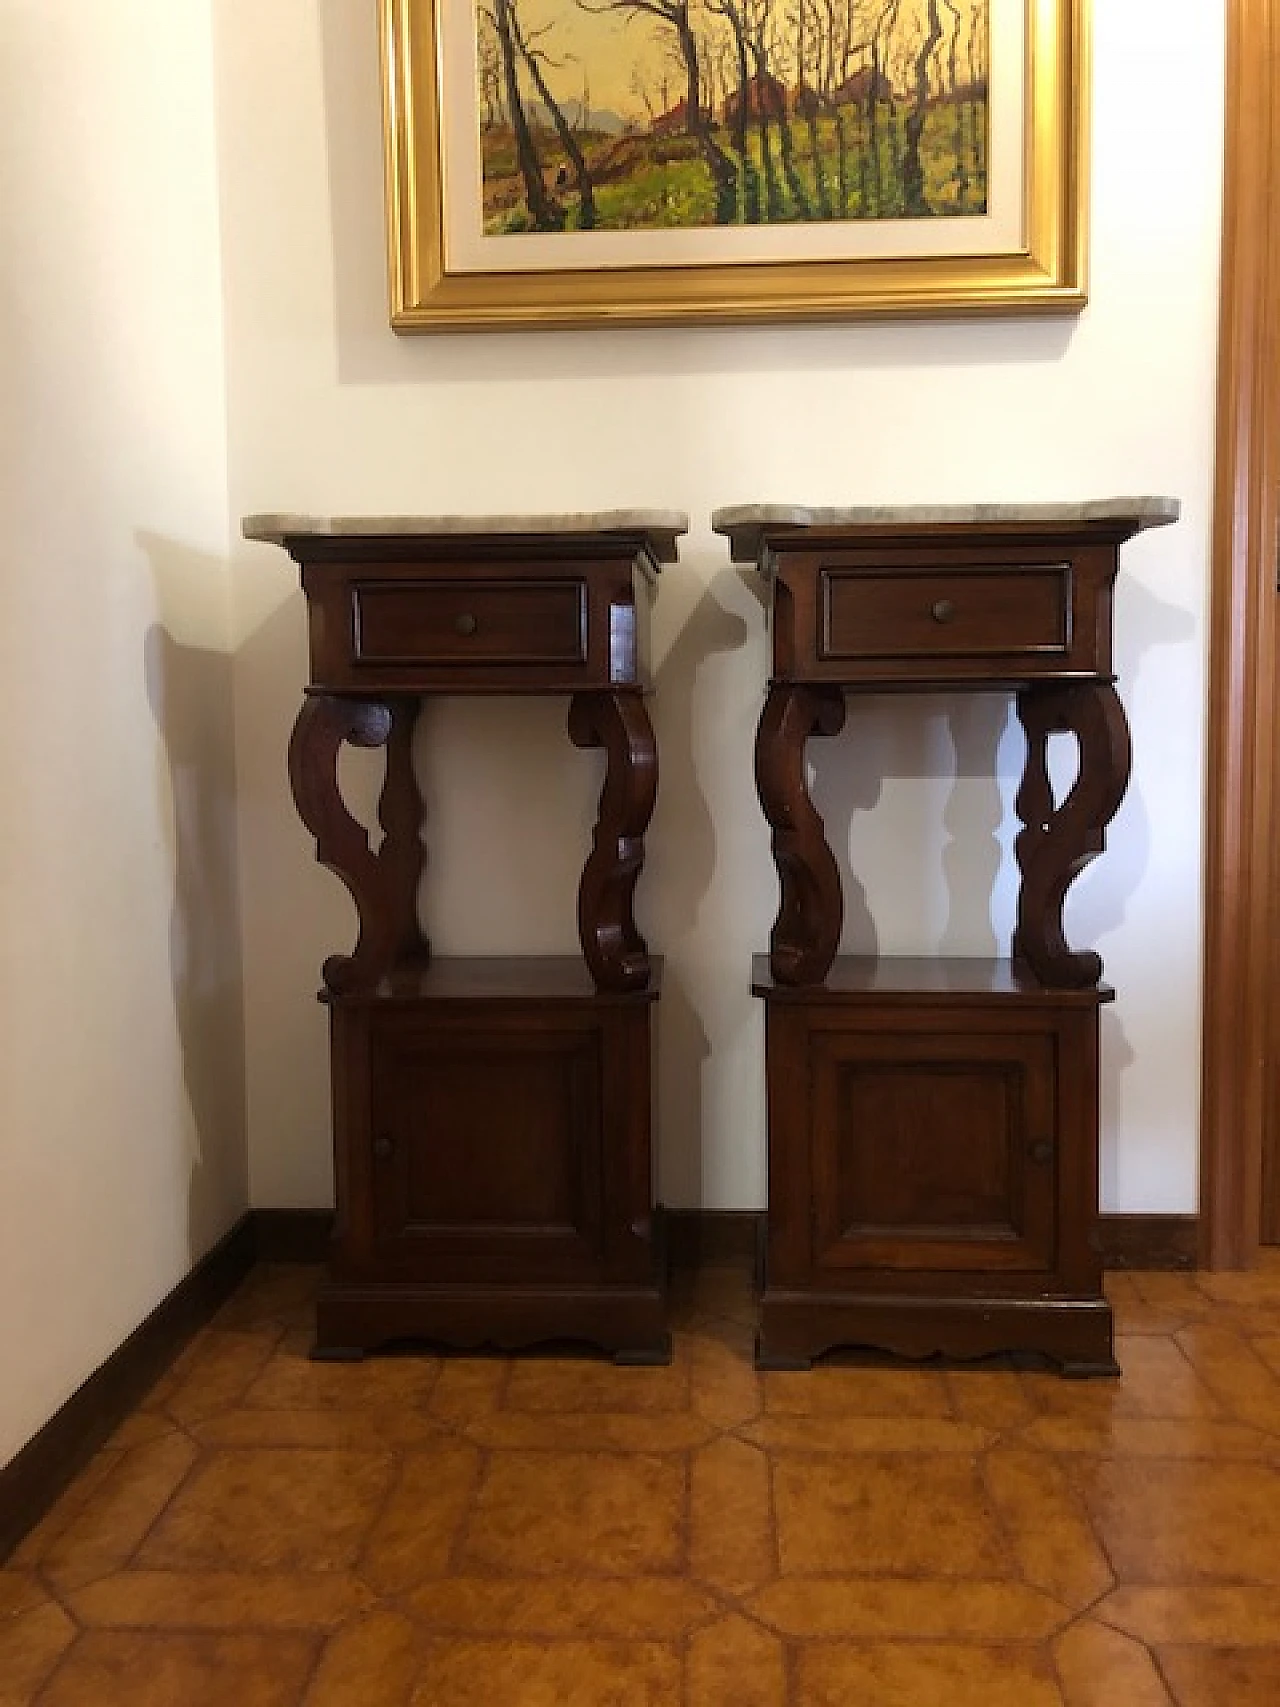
(744, 523)
(661, 528)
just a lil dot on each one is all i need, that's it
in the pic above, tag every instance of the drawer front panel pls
(964, 613)
(469, 622)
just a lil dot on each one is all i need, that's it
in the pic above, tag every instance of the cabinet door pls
(933, 1152)
(486, 1143)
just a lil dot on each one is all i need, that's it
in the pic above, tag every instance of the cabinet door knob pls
(465, 623)
(943, 610)
(383, 1148)
(1041, 1151)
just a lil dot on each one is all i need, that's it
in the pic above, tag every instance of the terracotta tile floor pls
(268, 1532)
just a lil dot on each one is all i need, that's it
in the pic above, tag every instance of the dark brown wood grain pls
(702, 1238)
(806, 932)
(945, 614)
(384, 885)
(1016, 606)
(1059, 840)
(954, 604)
(611, 945)
(499, 613)
(1149, 1242)
(492, 1154)
(933, 1168)
(494, 1166)
(933, 1129)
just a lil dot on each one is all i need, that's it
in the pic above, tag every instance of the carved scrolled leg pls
(611, 945)
(383, 885)
(1057, 844)
(806, 933)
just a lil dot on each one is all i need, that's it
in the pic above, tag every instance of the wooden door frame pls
(1241, 805)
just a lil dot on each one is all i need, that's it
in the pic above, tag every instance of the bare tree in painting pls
(489, 51)
(640, 89)
(915, 203)
(979, 85)
(535, 58)
(796, 110)
(544, 210)
(957, 102)
(717, 65)
(675, 15)
(736, 110)
(847, 36)
(808, 100)
(883, 34)
(758, 94)
(768, 58)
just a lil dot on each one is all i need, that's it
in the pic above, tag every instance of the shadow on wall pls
(709, 628)
(509, 811)
(973, 854)
(189, 690)
(1098, 904)
(935, 881)
(681, 860)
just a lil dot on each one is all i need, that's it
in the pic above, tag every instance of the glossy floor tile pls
(412, 1532)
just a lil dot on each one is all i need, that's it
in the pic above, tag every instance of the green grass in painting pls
(649, 183)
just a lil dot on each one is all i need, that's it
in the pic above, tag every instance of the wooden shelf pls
(880, 979)
(496, 978)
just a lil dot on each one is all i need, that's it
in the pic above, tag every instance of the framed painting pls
(558, 163)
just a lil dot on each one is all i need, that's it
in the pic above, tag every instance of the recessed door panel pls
(933, 1152)
(486, 1148)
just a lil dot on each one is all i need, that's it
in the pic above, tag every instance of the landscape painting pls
(607, 163)
(656, 115)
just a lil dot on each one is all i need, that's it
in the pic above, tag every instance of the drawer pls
(469, 622)
(970, 612)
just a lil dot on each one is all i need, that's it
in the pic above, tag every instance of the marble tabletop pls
(744, 523)
(660, 528)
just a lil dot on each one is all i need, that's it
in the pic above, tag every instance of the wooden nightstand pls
(933, 1125)
(491, 1116)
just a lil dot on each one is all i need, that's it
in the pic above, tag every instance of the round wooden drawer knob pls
(1042, 1152)
(465, 623)
(383, 1148)
(943, 611)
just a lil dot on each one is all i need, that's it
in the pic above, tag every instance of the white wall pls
(330, 412)
(121, 1082)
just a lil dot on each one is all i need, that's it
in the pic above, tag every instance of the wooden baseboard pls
(291, 1235)
(695, 1238)
(1149, 1241)
(700, 1238)
(32, 1481)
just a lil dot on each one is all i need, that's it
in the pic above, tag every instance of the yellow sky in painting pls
(629, 61)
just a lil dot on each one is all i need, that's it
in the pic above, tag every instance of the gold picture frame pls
(1034, 263)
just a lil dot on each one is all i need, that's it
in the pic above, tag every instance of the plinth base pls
(1075, 1333)
(628, 1322)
